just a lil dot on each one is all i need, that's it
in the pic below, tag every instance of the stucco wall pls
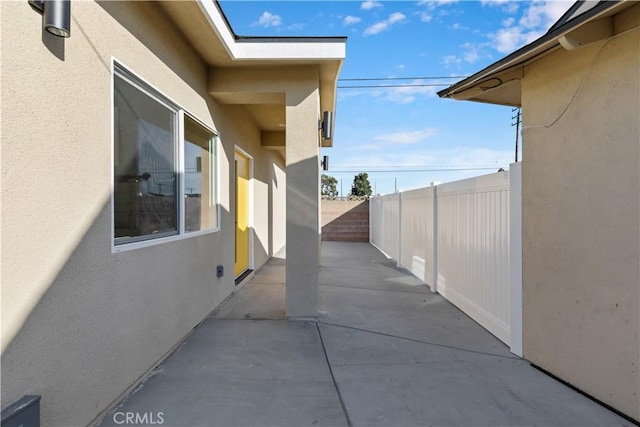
(79, 323)
(581, 219)
(303, 195)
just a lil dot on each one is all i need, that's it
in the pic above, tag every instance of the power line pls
(413, 170)
(485, 165)
(383, 86)
(401, 78)
(387, 79)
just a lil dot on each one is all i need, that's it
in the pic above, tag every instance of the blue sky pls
(399, 135)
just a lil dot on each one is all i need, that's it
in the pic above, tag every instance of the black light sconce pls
(325, 163)
(56, 16)
(327, 124)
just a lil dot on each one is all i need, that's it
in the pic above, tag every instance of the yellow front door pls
(242, 214)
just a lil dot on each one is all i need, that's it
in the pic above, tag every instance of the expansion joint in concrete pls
(484, 353)
(335, 384)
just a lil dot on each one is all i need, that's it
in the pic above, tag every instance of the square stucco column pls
(303, 206)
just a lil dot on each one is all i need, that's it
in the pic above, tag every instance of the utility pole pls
(518, 119)
(395, 184)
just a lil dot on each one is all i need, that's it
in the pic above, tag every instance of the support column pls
(303, 207)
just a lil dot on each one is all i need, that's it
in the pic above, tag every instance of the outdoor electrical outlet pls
(220, 270)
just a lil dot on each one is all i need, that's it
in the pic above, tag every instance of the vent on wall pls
(588, 33)
(25, 412)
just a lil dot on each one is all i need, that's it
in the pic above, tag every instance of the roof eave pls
(326, 52)
(542, 46)
(270, 48)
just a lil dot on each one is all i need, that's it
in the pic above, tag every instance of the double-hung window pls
(164, 166)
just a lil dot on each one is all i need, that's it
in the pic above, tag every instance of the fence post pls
(399, 260)
(515, 258)
(434, 249)
(371, 208)
(382, 233)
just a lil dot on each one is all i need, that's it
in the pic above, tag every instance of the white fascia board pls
(268, 49)
(257, 50)
(217, 22)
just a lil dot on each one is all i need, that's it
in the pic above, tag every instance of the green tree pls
(361, 185)
(328, 187)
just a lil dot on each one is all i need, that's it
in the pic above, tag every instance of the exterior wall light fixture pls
(56, 16)
(325, 163)
(327, 124)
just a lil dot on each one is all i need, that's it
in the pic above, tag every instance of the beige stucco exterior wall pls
(581, 219)
(79, 323)
(303, 196)
(300, 86)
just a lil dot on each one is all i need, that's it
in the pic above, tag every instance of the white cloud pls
(423, 157)
(471, 56)
(376, 28)
(508, 6)
(451, 60)
(459, 26)
(425, 17)
(394, 18)
(472, 52)
(370, 4)
(408, 93)
(480, 156)
(432, 4)
(350, 20)
(459, 156)
(295, 27)
(508, 39)
(268, 19)
(542, 14)
(346, 94)
(534, 22)
(407, 137)
(393, 141)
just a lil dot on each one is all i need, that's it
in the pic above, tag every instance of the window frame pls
(215, 175)
(122, 244)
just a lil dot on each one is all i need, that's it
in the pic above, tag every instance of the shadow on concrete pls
(384, 352)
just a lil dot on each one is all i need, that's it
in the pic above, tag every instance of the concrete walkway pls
(385, 352)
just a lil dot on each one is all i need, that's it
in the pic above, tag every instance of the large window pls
(164, 166)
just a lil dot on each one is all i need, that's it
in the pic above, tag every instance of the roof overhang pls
(206, 27)
(499, 83)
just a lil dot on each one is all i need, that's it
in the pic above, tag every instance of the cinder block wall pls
(345, 220)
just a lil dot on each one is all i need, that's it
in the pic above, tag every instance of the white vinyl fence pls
(463, 239)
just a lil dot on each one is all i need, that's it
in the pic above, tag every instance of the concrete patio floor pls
(384, 352)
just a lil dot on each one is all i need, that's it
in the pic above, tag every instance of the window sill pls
(125, 247)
